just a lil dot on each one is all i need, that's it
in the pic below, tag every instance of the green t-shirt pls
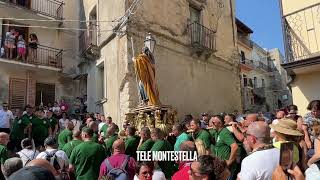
(95, 137)
(104, 129)
(109, 142)
(167, 167)
(87, 158)
(146, 146)
(180, 139)
(53, 122)
(64, 137)
(18, 127)
(40, 128)
(204, 136)
(3, 154)
(67, 148)
(132, 145)
(223, 141)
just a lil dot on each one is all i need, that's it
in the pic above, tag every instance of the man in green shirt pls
(112, 135)
(86, 158)
(160, 144)
(67, 148)
(200, 134)
(40, 129)
(53, 123)
(29, 117)
(93, 125)
(66, 135)
(132, 142)
(4, 139)
(20, 130)
(178, 131)
(225, 145)
(104, 128)
(146, 142)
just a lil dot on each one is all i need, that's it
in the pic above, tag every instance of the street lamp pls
(150, 42)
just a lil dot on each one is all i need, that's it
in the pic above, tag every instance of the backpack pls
(118, 173)
(52, 158)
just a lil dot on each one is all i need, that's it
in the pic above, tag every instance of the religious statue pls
(144, 65)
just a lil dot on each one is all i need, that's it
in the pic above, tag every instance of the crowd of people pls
(48, 143)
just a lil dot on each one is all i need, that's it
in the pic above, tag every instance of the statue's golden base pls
(156, 116)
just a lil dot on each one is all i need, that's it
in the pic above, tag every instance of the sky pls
(263, 17)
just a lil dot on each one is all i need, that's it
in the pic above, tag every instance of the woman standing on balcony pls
(33, 46)
(10, 43)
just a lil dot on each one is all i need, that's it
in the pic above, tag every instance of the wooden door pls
(17, 93)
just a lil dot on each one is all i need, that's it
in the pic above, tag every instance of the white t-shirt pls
(157, 175)
(62, 158)
(260, 165)
(63, 123)
(5, 118)
(27, 155)
(56, 109)
(313, 172)
(100, 126)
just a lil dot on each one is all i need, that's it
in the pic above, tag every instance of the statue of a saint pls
(144, 66)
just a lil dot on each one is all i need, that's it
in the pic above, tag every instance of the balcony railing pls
(301, 33)
(43, 55)
(245, 41)
(257, 65)
(88, 45)
(50, 8)
(202, 37)
(248, 62)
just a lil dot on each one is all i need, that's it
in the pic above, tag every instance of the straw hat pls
(286, 126)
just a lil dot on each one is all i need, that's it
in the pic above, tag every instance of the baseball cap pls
(32, 173)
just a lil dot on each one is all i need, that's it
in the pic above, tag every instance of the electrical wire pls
(57, 28)
(54, 20)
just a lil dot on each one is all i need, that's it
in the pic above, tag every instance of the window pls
(255, 82)
(45, 93)
(262, 82)
(195, 14)
(245, 80)
(93, 26)
(243, 57)
(101, 90)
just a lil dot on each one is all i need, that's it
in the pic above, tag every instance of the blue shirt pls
(180, 139)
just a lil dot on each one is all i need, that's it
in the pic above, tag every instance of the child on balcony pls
(21, 48)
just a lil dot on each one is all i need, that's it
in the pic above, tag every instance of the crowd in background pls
(49, 142)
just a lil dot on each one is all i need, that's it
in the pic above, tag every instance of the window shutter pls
(17, 93)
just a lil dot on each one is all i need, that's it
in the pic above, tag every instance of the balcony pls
(247, 64)
(49, 8)
(246, 41)
(43, 56)
(301, 36)
(88, 46)
(202, 38)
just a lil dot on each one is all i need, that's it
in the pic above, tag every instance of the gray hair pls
(10, 166)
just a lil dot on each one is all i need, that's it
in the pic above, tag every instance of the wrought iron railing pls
(86, 40)
(257, 64)
(248, 62)
(245, 41)
(51, 8)
(43, 55)
(301, 33)
(202, 37)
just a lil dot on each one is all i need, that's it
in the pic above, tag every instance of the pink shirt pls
(182, 173)
(116, 162)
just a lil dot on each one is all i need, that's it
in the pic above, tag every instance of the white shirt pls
(56, 109)
(100, 126)
(63, 123)
(62, 158)
(313, 172)
(5, 118)
(27, 155)
(157, 175)
(260, 165)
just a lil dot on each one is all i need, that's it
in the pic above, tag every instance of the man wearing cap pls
(20, 129)
(66, 135)
(52, 151)
(87, 157)
(264, 158)
(40, 129)
(204, 120)
(67, 148)
(6, 118)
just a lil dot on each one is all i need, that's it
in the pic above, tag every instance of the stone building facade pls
(197, 70)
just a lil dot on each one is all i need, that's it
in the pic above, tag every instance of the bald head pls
(70, 125)
(92, 125)
(252, 117)
(76, 134)
(4, 138)
(44, 164)
(260, 130)
(188, 146)
(118, 146)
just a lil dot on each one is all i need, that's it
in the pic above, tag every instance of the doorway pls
(45, 93)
